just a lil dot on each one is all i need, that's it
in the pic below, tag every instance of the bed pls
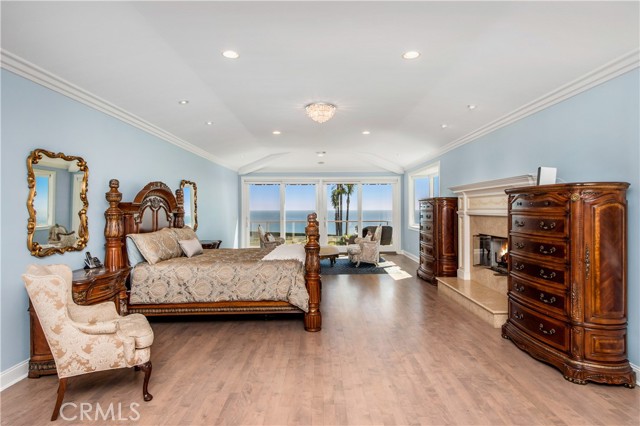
(279, 285)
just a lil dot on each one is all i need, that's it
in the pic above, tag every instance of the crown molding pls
(609, 71)
(30, 71)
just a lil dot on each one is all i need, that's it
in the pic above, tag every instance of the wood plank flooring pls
(390, 352)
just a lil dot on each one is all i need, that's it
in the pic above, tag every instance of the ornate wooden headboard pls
(153, 208)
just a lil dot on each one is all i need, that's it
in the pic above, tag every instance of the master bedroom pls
(349, 172)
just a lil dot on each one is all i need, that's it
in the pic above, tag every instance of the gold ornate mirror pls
(57, 203)
(190, 191)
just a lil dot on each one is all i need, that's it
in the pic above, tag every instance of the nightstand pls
(210, 244)
(90, 286)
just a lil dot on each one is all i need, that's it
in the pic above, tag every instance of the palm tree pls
(348, 191)
(336, 202)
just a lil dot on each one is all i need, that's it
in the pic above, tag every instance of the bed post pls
(313, 318)
(113, 228)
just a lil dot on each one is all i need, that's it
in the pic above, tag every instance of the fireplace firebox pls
(491, 251)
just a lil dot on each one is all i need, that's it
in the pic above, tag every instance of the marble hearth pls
(482, 209)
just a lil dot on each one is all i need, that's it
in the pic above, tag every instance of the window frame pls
(431, 171)
(51, 201)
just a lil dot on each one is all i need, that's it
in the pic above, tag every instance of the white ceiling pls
(143, 57)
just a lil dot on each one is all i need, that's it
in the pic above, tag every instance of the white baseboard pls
(635, 368)
(411, 256)
(13, 375)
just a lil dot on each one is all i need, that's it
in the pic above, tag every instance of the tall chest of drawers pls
(438, 238)
(567, 279)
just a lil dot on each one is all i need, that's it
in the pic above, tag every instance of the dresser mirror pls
(57, 203)
(190, 192)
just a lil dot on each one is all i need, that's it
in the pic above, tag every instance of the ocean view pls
(297, 220)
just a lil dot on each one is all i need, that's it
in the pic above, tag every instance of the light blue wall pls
(36, 117)
(593, 136)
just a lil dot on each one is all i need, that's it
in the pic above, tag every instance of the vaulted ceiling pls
(142, 58)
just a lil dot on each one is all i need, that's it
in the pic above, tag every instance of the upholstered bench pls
(329, 252)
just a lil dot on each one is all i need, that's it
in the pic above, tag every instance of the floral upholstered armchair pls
(268, 240)
(85, 339)
(366, 249)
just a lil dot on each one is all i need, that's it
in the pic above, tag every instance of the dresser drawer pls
(545, 298)
(426, 250)
(426, 238)
(539, 225)
(543, 273)
(427, 227)
(553, 332)
(540, 247)
(538, 202)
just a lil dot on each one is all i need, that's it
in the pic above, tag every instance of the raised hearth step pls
(486, 303)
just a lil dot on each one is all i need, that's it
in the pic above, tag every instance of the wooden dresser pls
(90, 286)
(438, 238)
(567, 279)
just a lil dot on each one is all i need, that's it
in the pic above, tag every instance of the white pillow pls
(270, 238)
(133, 253)
(191, 247)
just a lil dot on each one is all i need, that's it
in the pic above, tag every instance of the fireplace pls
(490, 251)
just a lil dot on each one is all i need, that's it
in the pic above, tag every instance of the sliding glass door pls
(344, 207)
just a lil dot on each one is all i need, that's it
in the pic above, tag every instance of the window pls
(45, 194)
(423, 183)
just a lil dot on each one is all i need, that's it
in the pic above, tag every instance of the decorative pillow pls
(270, 238)
(157, 246)
(191, 247)
(133, 253)
(186, 233)
(367, 237)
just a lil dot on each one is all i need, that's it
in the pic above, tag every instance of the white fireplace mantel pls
(481, 199)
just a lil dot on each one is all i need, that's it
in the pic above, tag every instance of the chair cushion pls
(137, 326)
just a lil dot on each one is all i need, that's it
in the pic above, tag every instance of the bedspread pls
(220, 275)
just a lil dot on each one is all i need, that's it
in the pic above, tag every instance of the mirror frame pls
(83, 232)
(184, 183)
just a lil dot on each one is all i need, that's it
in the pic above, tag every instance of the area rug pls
(345, 267)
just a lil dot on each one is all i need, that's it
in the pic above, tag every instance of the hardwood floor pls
(390, 352)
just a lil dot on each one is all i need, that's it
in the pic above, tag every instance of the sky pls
(303, 197)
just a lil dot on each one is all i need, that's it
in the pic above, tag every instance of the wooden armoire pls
(438, 238)
(568, 279)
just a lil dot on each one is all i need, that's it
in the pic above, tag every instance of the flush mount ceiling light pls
(321, 153)
(412, 54)
(471, 107)
(366, 132)
(209, 123)
(320, 111)
(183, 102)
(277, 132)
(230, 54)
(444, 125)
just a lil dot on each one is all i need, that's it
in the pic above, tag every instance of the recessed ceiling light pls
(183, 102)
(366, 132)
(230, 54)
(444, 125)
(320, 162)
(209, 123)
(321, 153)
(412, 54)
(471, 106)
(276, 132)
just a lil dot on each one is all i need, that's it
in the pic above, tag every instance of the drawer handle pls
(428, 228)
(428, 216)
(547, 203)
(518, 288)
(518, 266)
(549, 301)
(519, 245)
(543, 225)
(547, 277)
(517, 315)
(547, 332)
(519, 203)
(519, 223)
(543, 250)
